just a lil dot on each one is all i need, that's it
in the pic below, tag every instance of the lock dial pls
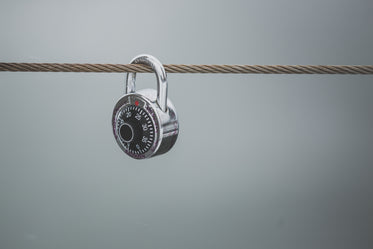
(136, 129)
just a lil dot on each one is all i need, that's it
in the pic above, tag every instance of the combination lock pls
(145, 123)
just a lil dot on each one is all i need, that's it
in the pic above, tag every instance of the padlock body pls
(141, 128)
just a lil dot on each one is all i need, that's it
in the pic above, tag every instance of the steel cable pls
(181, 68)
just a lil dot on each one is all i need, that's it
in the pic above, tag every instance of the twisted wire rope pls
(182, 68)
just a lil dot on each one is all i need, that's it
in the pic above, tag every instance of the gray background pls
(262, 161)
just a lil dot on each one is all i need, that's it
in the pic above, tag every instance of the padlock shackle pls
(160, 73)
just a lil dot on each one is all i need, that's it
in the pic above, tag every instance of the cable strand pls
(182, 68)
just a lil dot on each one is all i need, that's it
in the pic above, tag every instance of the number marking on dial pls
(142, 126)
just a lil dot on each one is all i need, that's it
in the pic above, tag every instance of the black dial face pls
(135, 129)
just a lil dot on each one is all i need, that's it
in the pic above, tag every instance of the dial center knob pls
(126, 132)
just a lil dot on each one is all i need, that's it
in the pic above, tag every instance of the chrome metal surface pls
(163, 118)
(158, 68)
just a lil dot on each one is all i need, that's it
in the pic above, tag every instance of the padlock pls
(145, 123)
